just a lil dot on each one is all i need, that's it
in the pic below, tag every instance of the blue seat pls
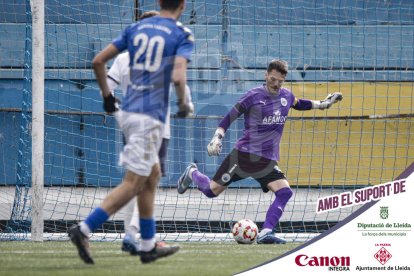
(72, 12)
(323, 47)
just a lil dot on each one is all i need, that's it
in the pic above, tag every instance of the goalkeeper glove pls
(185, 110)
(110, 104)
(215, 145)
(331, 99)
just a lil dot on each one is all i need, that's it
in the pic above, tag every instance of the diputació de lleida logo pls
(384, 212)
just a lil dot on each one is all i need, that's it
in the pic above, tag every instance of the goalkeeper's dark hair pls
(170, 5)
(148, 14)
(279, 65)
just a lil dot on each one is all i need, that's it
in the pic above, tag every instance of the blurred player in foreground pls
(131, 223)
(118, 76)
(159, 48)
(256, 153)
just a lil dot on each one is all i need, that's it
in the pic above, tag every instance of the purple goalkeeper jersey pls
(265, 115)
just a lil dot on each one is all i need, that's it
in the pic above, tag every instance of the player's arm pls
(215, 145)
(189, 99)
(99, 63)
(303, 104)
(179, 75)
(179, 78)
(113, 77)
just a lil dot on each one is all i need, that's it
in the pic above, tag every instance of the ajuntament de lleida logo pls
(384, 212)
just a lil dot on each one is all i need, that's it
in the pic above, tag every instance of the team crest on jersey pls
(276, 118)
(225, 177)
(283, 101)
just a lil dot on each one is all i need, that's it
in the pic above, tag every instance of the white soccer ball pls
(245, 231)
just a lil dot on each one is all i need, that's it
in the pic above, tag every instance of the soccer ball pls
(245, 231)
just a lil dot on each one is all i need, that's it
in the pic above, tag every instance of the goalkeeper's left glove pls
(215, 145)
(331, 99)
(110, 103)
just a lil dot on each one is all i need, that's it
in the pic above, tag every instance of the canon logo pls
(304, 260)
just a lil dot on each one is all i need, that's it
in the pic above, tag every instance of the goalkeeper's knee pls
(283, 195)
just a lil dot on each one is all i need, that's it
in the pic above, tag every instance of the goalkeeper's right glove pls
(331, 99)
(110, 103)
(215, 145)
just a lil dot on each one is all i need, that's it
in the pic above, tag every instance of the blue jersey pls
(152, 43)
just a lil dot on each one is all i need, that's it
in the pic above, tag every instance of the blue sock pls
(96, 218)
(147, 228)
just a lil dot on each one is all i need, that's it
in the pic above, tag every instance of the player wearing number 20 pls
(159, 49)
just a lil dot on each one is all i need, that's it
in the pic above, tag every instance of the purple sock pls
(203, 183)
(275, 211)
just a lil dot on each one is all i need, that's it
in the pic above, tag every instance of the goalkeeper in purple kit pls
(256, 153)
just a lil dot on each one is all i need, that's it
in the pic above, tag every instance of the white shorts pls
(143, 136)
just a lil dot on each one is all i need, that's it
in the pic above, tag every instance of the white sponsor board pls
(375, 240)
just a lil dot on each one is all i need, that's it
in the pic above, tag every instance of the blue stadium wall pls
(301, 24)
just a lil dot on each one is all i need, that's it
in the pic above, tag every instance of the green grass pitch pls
(194, 258)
